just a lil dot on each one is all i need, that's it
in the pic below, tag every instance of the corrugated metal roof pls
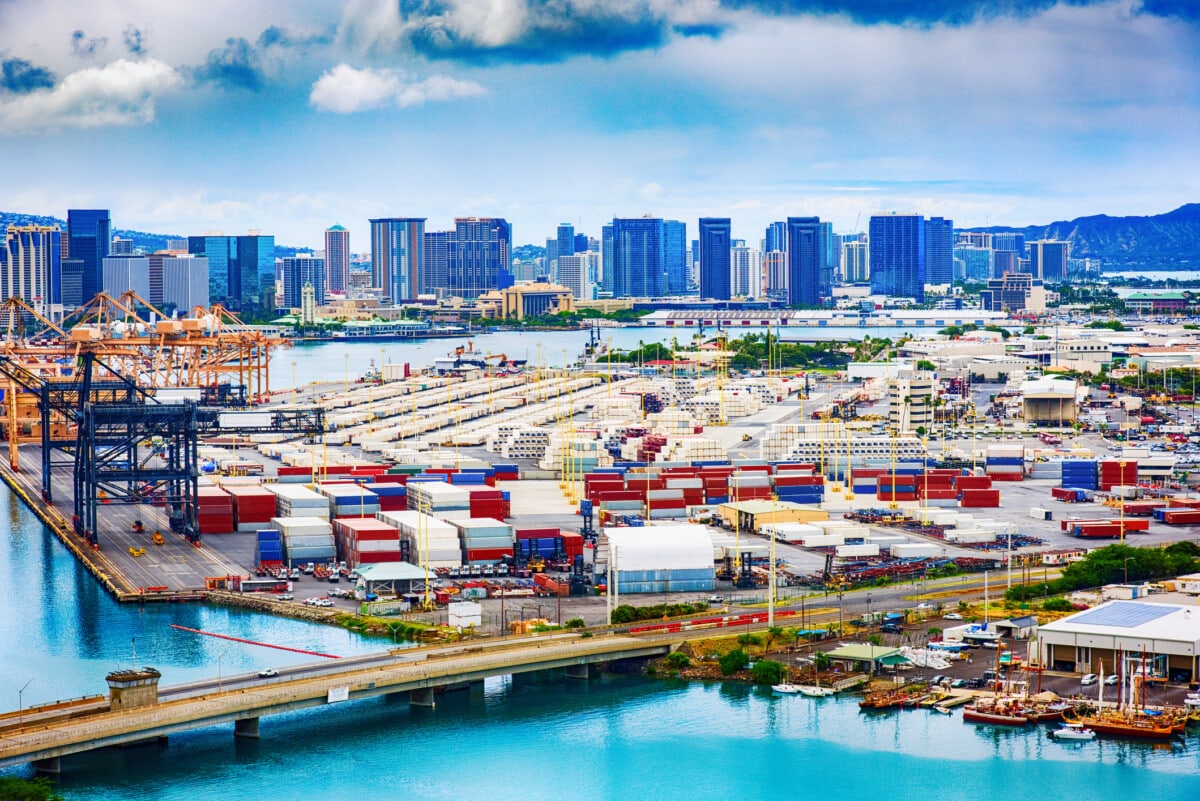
(1122, 614)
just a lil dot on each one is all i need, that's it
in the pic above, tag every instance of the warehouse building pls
(1162, 640)
(753, 515)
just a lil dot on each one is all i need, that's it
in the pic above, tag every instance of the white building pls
(577, 273)
(29, 267)
(746, 272)
(911, 401)
(123, 273)
(185, 282)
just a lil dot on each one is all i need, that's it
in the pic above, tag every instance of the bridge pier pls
(49, 765)
(582, 672)
(422, 697)
(246, 728)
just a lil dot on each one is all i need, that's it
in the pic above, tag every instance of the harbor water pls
(623, 737)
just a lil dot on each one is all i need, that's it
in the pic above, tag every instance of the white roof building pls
(1167, 635)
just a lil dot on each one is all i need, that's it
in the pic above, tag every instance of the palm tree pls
(773, 633)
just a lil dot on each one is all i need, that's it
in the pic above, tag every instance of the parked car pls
(267, 673)
(958, 683)
(891, 628)
(1111, 679)
(952, 616)
(975, 683)
(1088, 678)
(936, 679)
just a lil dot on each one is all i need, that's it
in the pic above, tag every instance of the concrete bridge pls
(43, 736)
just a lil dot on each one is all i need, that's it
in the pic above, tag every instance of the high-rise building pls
(675, 256)
(829, 257)
(1048, 260)
(120, 274)
(184, 282)
(606, 258)
(435, 262)
(565, 240)
(776, 238)
(973, 263)
(241, 270)
(31, 268)
(481, 258)
(939, 251)
(746, 272)
(396, 256)
(804, 255)
(639, 259)
(576, 273)
(1005, 262)
(582, 243)
(179, 245)
(977, 239)
(337, 259)
(120, 247)
(775, 267)
(1009, 241)
(855, 262)
(715, 258)
(299, 271)
(89, 234)
(897, 244)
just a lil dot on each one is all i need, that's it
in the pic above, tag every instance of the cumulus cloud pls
(19, 76)
(120, 93)
(236, 65)
(345, 90)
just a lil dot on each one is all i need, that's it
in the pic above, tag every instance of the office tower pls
(120, 247)
(715, 258)
(337, 259)
(565, 240)
(639, 269)
(1048, 260)
(606, 258)
(939, 251)
(776, 238)
(774, 264)
(121, 274)
(241, 269)
(396, 245)
(550, 261)
(184, 282)
(975, 239)
(178, 245)
(675, 256)
(1009, 241)
(1005, 262)
(89, 234)
(804, 261)
(897, 246)
(299, 271)
(31, 268)
(829, 257)
(855, 263)
(746, 273)
(976, 262)
(582, 243)
(435, 262)
(574, 272)
(481, 259)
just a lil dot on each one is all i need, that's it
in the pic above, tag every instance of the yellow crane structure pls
(208, 350)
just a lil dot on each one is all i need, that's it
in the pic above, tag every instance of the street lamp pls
(21, 702)
(1125, 567)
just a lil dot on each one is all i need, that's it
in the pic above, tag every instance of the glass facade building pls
(897, 245)
(715, 265)
(639, 258)
(804, 260)
(675, 256)
(89, 236)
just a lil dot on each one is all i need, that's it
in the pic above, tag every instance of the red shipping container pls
(1183, 503)
(973, 482)
(1062, 494)
(797, 480)
(1006, 476)
(537, 533)
(393, 503)
(940, 494)
(487, 554)
(1181, 517)
(980, 498)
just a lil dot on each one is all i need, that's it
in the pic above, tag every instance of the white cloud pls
(120, 93)
(345, 90)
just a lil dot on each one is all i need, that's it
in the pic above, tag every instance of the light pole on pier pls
(21, 702)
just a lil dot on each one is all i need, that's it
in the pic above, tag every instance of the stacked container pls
(665, 503)
(487, 502)
(305, 539)
(292, 500)
(366, 540)
(350, 500)
(425, 538)
(268, 549)
(214, 510)
(436, 498)
(1079, 474)
(979, 498)
(797, 487)
(253, 507)
(1005, 462)
(896, 487)
(748, 485)
(393, 497)
(485, 540)
(1115, 472)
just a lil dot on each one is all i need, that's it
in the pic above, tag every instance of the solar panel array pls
(1123, 614)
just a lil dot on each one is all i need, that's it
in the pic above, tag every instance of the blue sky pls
(287, 117)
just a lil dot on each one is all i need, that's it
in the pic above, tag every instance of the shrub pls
(1058, 605)
(767, 672)
(677, 660)
(575, 623)
(733, 661)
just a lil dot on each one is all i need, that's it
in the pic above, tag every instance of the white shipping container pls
(914, 550)
(823, 540)
(845, 551)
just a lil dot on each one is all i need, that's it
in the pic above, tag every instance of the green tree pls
(733, 661)
(747, 641)
(677, 660)
(13, 788)
(821, 661)
(773, 634)
(767, 672)
(575, 623)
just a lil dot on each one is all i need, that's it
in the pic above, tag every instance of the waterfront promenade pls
(417, 673)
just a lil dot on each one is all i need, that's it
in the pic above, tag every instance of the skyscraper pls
(638, 264)
(221, 252)
(746, 271)
(828, 257)
(1007, 240)
(299, 271)
(715, 264)
(675, 256)
(854, 262)
(184, 282)
(241, 274)
(337, 259)
(897, 247)
(1048, 260)
(939, 251)
(775, 268)
(89, 235)
(120, 247)
(582, 243)
(481, 258)
(435, 262)
(606, 258)
(776, 238)
(566, 240)
(31, 268)
(804, 256)
(396, 246)
(120, 274)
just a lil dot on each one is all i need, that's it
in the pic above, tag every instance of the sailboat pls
(1130, 722)
(816, 690)
(999, 710)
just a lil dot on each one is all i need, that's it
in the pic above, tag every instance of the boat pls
(1131, 722)
(1073, 731)
(883, 699)
(945, 710)
(998, 710)
(787, 688)
(816, 691)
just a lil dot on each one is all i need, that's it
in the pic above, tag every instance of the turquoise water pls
(618, 737)
(326, 361)
(631, 739)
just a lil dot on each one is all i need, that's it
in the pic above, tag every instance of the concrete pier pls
(422, 697)
(246, 727)
(48, 766)
(581, 672)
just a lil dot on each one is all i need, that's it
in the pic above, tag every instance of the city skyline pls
(984, 113)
